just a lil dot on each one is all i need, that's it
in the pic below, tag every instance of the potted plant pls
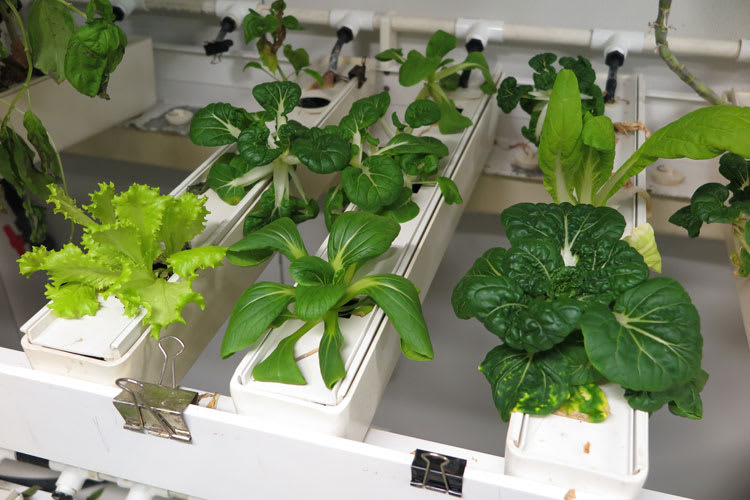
(573, 304)
(439, 76)
(715, 203)
(85, 56)
(131, 276)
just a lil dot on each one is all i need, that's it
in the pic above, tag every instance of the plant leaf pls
(322, 153)
(252, 143)
(277, 98)
(374, 186)
(588, 400)
(186, 262)
(417, 67)
(311, 270)
(313, 301)
(184, 219)
(359, 236)
(253, 313)
(94, 52)
(560, 147)
(218, 124)
(699, 135)
(440, 44)
(50, 29)
(399, 299)
(653, 327)
(737, 171)
(531, 383)
(298, 58)
(280, 365)
(707, 203)
(329, 353)
(643, 239)
(449, 190)
(280, 235)
(510, 93)
(422, 112)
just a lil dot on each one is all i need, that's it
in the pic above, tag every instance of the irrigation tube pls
(738, 50)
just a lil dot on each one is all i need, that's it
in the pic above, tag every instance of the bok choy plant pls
(132, 243)
(717, 203)
(534, 99)
(265, 151)
(325, 291)
(380, 178)
(575, 307)
(435, 70)
(577, 150)
(275, 24)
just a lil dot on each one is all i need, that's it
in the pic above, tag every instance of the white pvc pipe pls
(519, 33)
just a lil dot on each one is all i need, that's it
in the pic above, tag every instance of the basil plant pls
(325, 292)
(381, 178)
(534, 99)
(266, 146)
(439, 76)
(725, 204)
(574, 307)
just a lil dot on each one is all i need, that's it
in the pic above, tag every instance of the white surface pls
(550, 449)
(255, 455)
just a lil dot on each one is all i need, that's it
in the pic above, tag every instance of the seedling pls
(266, 149)
(257, 27)
(132, 243)
(434, 69)
(325, 291)
(380, 179)
(711, 203)
(534, 99)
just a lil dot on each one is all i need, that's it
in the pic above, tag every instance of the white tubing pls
(519, 33)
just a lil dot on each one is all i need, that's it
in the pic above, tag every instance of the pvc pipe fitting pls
(620, 41)
(236, 11)
(123, 8)
(70, 480)
(352, 19)
(477, 29)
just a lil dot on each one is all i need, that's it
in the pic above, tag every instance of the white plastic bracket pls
(744, 55)
(622, 41)
(71, 479)
(352, 19)
(478, 29)
(128, 6)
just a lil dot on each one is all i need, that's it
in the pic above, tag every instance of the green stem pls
(386, 128)
(660, 34)
(11, 5)
(454, 69)
(73, 8)
(424, 93)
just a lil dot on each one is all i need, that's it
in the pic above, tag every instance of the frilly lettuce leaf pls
(130, 253)
(186, 262)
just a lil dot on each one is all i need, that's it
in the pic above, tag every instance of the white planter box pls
(371, 346)
(109, 345)
(70, 117)
(606, 460)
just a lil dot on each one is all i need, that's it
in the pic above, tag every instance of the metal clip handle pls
(162, 348)
(438, 472)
